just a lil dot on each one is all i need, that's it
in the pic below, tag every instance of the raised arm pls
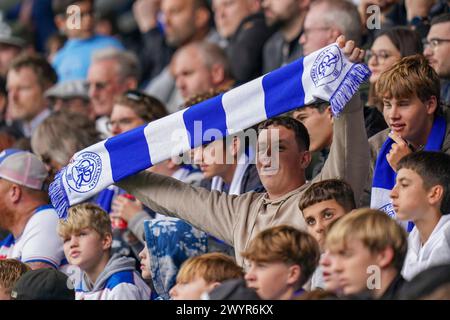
(213, 212)
(349, 153)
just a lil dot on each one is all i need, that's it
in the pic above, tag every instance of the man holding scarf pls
(329, 74)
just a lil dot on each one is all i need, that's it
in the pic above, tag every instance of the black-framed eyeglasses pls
(433, 43)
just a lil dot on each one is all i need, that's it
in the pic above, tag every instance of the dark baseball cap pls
(43, 284)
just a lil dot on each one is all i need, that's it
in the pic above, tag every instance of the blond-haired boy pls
(87, 240)
(367, 251)
(282, 259)
(201, 274)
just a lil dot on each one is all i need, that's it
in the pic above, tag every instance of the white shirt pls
(126, 285)
(435, 251)
(39, 241)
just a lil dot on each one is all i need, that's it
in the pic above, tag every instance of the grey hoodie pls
(118, 281)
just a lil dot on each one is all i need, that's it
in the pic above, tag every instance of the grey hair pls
(127, 62)
(343, 15)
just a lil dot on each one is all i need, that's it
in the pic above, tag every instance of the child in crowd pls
(10, 271)
(422, 195)
(367, 251)
(168, 243)
(321, 204)
(87, 237)
(201, 274)
(282, 259)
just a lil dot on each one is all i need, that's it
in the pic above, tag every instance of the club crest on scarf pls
(389, 210)
(327, 67)
(85, 172)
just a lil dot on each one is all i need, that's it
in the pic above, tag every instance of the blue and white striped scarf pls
(384, 176)
(325, 74)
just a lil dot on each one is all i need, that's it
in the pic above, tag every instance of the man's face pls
(85, 248)
(104, 86)
(191, 74)
(409, 196)
(228, 15)
(179, 21)
(280, 11)
(316, 34)
(212, 159)
(280, 162)
(439, 55)
(124, 119)
(7, 54)
(192, 290)
(319, 126)
(408, 117)
(270, 279)
(350, 265)
(319, 216)
(25, 95)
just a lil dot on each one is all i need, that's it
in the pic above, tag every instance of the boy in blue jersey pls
(87, 237)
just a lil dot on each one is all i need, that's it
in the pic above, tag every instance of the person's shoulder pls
(253, 25)
(106, 40)
(120, 277)
(378, 139)
(46, 212)
(66, 49)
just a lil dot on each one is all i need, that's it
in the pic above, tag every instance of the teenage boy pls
(281, 260)
(367, 250)
(410, 91)
(422, 195)
(201, 274)
(87, 237)
(322, 204)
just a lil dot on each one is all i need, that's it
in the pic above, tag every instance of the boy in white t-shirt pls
(422, 195)
(25, 213)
